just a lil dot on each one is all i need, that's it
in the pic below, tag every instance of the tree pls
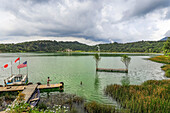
(166, 47)
(126, 60)
(97, 58)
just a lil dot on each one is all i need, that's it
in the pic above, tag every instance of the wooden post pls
(27, 72)
(11, 68)
(19, 64)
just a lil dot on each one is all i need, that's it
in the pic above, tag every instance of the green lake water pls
(73, 69)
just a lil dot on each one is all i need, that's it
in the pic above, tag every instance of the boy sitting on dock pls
(48, 81)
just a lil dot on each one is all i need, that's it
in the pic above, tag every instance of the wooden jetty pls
(21, 88)
(112, 70)
(29, 91)
(12, 88)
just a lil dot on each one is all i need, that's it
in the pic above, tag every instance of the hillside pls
(54, 46)
(43, 46)
(141, 46)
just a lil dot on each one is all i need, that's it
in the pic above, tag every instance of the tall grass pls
(166, 68)
(163, 59)
(151, 97)
(94, 107)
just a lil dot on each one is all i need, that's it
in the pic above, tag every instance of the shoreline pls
(166, 61)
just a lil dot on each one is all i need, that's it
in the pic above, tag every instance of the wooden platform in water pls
(112, 70)
(50, 86)
(21, 88)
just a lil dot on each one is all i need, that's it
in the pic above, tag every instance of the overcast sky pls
(86, 21)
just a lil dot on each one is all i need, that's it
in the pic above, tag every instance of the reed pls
(163, 59)
(94, 107)
(152, 96)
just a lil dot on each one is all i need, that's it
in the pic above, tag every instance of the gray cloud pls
(168, 14)
(143, 7)
(96, 20)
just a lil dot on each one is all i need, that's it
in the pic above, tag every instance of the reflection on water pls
(125, 80)
(73, 69)
(96, 82)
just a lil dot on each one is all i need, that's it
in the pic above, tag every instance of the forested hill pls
(141, 46)
(54, 46)
(44, 46)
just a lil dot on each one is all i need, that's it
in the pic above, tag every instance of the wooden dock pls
(21, 88)
(12, 88)
(29, 91)
(112, 70)
(49, 87)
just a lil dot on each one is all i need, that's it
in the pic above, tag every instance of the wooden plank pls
(29, 91)
(33, 99)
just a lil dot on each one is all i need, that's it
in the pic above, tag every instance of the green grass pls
(163, 59)
(151, 97)
(94, 107)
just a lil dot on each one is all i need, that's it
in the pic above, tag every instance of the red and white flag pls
(7, 65)
(17, 60)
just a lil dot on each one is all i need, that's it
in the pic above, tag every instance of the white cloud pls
(87, 21)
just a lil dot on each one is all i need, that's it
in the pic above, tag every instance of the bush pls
(42, 106)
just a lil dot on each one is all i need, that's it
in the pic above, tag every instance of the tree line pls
(54, 46)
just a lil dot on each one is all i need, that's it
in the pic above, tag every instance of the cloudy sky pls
(86, 21)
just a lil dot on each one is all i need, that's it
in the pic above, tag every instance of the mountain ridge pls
(54, 46)
(163, 39)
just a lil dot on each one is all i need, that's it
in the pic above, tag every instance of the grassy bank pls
(163, 59)
(152, 96)
(62, 103)
(6, 99)
(94, 107)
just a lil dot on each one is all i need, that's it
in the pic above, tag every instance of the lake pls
(72, 69)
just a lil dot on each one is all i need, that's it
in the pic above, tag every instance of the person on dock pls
(5, 83)
(48, 80)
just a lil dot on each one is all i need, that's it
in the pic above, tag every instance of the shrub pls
(42, 106)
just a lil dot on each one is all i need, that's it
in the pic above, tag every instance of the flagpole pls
(11, 68)
(27, 69)
(19, 64)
